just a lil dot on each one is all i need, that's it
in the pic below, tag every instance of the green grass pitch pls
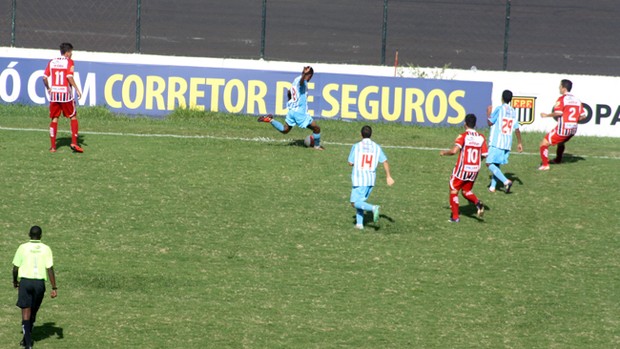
(206, 230)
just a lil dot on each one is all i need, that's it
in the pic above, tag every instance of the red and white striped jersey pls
(571, 109)
(56, 73)
(473, 147)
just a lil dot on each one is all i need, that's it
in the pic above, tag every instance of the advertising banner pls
(156, 90)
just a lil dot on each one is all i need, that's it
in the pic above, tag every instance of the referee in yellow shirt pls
(32, 265)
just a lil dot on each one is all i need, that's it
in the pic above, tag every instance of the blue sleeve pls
(495, 114)
(352, 155)
(516, 122)
(382, 157)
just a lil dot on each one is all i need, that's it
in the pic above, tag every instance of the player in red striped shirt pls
(569, 111)
(473, 147)
(59, 83)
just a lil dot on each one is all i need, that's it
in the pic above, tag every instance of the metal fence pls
(571, 36)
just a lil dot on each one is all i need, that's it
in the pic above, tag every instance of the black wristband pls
(54, 288)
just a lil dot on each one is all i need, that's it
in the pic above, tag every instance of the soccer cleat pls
(318, 147)
(452, 220)
(492, 189)
(76, 148)
(508, 186)
(480, 207)
(375, 213)
(359, 226)
(52, 150)
(266, 118)
(543, 168)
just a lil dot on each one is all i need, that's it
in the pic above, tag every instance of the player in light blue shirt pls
(364, 158)
(297, 106)
(503, 122)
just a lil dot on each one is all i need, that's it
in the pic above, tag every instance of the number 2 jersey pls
(571, 109)
(57, 72)
(365, 156)
(473, 147)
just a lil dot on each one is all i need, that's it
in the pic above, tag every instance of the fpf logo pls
(524, 106)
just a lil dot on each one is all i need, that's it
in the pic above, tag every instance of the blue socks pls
(317, 139)
(359, 217)
(277, 125)
(362, 206)
(497, 173)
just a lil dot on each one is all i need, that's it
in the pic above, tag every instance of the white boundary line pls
(245, 139)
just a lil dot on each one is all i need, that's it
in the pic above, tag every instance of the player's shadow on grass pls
(47, 330)
(569, 158)
(511, 176)
(369, 224)
(471, 211)
(296, 143)
(66, 141)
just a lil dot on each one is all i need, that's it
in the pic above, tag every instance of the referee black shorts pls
(30, 293)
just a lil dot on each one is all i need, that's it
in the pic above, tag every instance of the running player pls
(472, 146)
(364, 158)
(503, 122)
(59, 83)
(569, 111)
(298, 109)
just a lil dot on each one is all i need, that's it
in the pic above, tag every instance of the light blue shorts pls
(497, 156)
(360, 193)
(294, 118)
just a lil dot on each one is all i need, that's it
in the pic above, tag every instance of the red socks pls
(544, 155)
(471, 197)
(74, 131)
(454, 205)
(53, 132)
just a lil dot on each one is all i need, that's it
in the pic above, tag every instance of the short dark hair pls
(567, 84)
(65, 47)
(470, 120)
(35, 232)
(507, 96)
(366, 131)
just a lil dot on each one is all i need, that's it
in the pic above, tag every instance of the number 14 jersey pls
(473, 147)
(365, 156)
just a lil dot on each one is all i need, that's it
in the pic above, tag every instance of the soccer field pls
(214, 231)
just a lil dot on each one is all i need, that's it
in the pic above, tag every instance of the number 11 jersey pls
(57, 72)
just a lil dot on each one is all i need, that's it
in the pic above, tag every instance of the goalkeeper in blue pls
(297, 106)
(364, 158)
(503, 122)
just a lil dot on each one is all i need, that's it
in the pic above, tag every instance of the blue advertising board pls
(156, 90)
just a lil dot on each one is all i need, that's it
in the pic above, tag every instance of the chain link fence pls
(572, 36)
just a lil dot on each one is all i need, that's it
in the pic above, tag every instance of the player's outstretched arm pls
(449, 152)
(52, 277)
(388, 174)
(72, 83)
(519, 143)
